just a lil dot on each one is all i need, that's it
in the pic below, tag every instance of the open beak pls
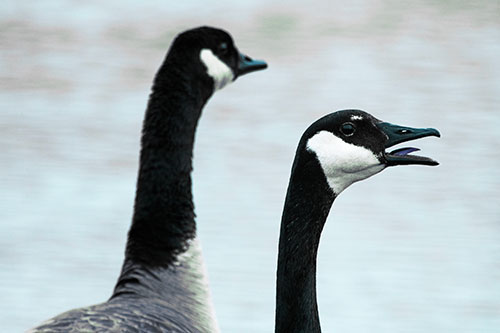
(248, 65)
(398, 134)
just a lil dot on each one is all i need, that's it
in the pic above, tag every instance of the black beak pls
(248, 65)
(397, 134)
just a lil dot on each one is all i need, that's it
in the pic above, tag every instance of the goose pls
(163, 286)
(334, 152)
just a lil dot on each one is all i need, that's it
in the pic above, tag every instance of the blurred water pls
(413, 249)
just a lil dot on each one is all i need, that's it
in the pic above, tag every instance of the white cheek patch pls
(217, 69)
(343, 163)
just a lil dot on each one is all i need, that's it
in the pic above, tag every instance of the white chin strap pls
(216, 69)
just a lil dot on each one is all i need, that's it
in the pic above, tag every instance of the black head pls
(350, 146)
(213, 53)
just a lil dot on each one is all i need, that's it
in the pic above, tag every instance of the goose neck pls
(163, 220)
(306, 208)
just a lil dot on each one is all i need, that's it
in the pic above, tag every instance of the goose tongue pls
(403, 151)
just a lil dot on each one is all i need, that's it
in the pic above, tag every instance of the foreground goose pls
(162, 286)
(337, 150)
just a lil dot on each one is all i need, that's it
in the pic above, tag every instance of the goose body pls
(163, 285)
(334, 152)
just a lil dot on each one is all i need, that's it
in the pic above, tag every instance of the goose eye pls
(348, 129)
(222, 49)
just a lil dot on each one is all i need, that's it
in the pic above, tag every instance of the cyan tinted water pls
(414, 249)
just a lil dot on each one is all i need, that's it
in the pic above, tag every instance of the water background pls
(414, 249)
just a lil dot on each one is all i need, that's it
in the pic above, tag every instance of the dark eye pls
(222, 49)
(348, 129)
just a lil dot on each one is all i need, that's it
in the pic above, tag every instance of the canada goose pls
(335, 151)
(163, 286)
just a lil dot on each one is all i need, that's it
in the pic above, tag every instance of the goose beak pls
(248, 65)
(398, 134)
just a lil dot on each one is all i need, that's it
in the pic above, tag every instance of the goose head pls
(212, 54)
(351, 145)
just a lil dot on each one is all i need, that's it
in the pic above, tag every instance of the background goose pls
(335, 151)
(162, 286)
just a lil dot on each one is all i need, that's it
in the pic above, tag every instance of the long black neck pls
(163, 219)
(307, 205)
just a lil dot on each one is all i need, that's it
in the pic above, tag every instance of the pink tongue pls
(404, 151)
